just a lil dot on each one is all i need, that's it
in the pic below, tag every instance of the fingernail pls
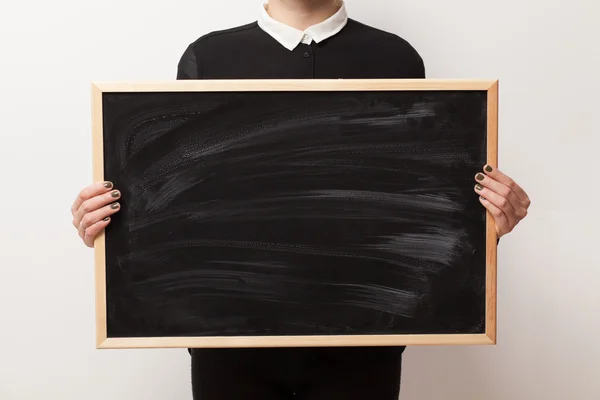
(108, 185)
(478, 187)
(488, 168)
(479, 177)
(115, 194)
(106, 219)
(482, 198)
(114, 206)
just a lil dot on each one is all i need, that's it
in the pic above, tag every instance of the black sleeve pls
(417, 68)
(188, 67)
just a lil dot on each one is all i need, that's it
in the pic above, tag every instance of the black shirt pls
(358, 51)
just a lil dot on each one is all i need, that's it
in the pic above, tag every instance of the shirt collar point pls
(290, 37)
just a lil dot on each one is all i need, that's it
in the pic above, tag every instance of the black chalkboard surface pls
(295, 213)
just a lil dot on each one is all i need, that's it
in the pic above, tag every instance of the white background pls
(546, 55)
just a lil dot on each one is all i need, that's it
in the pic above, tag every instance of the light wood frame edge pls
(293, 341)
(99, 243)
(263, 85)
(489, 337)
(491, 236)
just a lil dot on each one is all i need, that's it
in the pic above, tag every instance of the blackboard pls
(295, 213)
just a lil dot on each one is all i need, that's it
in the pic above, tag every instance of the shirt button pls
(306, 55)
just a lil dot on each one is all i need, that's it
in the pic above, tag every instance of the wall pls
(546, 54)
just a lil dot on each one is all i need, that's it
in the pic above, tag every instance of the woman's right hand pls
(92, 210)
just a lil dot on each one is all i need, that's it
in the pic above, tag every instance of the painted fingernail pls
(108, 185)
(478, 187)
(482, 198)
(106, 219)
(488, 168)
(115, 194)
(114, 206)
(479, 177)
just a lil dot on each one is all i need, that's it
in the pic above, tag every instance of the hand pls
(92, 210)
(503, 198)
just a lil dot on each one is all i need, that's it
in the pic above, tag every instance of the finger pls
(94, 230)
(88, 192)
(499, 202)
(498, 188)
(95, 203)
(500, 220)
(93, 217)
(507, 181)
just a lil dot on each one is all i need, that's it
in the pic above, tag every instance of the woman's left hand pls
(502, 197)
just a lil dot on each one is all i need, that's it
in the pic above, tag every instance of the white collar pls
(290, 37)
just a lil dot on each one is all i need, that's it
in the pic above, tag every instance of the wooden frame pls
(489, 337)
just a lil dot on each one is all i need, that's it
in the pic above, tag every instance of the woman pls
(295, 39)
